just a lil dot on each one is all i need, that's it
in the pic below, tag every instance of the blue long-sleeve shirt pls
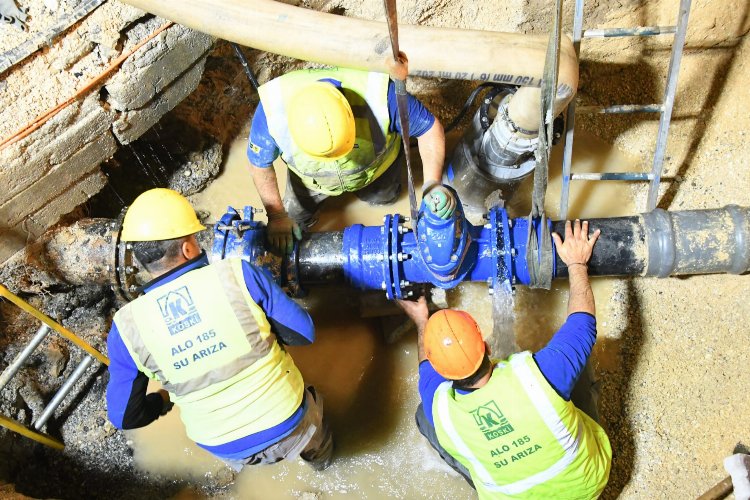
(561, 361)
(130, 407)
(262, 149)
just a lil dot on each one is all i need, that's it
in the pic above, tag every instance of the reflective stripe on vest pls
(375, 147)
(538, 397)
(253, 344)
(211, 346)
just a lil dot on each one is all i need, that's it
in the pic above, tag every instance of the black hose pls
(246, 66)
(467, 105)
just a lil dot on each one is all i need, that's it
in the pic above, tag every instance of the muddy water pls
(370, 387)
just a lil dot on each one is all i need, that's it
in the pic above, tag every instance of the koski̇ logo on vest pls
(491, 421)
(178, 310)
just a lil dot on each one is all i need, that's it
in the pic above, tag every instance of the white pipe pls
(362, 44)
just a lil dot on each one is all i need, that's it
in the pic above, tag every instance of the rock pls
(56, 360)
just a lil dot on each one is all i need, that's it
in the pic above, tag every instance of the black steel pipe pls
(661, 243)
(321, 258)
(620, 250)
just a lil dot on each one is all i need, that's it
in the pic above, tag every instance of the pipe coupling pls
(504, 153)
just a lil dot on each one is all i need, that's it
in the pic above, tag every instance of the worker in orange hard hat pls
(338, 131)
(509, 426)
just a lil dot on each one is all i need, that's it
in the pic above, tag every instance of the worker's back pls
(520, 439)
(210, 345)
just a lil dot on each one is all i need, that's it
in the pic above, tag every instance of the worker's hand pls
(577, 247)
(440, 201)
(398, 70)
(167, 405)
(416, 310)
(281, 232)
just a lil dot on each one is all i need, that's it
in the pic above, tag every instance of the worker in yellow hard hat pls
(338, 131)
(211, 334)
(509, 426)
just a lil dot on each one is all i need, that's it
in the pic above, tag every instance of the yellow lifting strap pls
(17, 426)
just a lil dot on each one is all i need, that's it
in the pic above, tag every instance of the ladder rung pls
(622, 108)
(612, 176)
(637, 31)
(62, 392)
(27, 351)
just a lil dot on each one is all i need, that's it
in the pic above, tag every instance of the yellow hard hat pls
(159, 214)
(321, 121)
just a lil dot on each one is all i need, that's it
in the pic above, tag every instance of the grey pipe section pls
(19, 360)
(698, 241)
(63, 392)
(662, 243)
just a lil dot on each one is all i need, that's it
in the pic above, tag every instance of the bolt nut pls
(409, 293)
(382, 285)
(407, 219)
(429, 258)
(423, 237)
(510, 222)
(454, 258)
(513, 252)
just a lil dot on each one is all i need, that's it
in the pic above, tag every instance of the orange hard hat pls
(453, 344)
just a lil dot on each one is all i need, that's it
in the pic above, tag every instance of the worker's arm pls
(128, 405)
(427, 129)
(575, 251)
(291, 324)
(262, 150)
(429, 379)
(417, 311)
(432, 151)
(563, 359)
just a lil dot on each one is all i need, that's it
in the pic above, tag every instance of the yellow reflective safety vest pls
(375, 148)
(210, 345)
(519, 439)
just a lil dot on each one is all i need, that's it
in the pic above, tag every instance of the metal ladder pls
(12, 369)
(665, 108)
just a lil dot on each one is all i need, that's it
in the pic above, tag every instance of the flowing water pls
(370, 387)
(502, 342)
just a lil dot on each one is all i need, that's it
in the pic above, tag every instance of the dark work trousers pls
(301, 202)
(428, 431)
(584, 396)
(311, 440)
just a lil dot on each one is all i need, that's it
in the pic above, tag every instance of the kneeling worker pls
(211, 335)
(338, 131)
(509, 426)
